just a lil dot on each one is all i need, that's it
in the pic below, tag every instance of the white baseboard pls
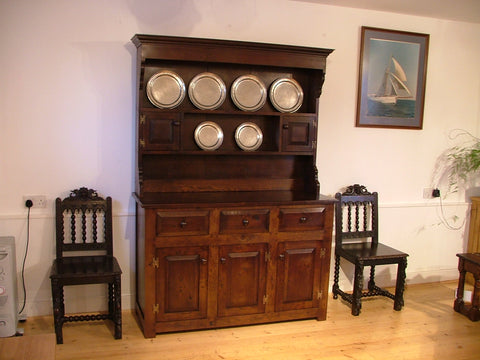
(386, 280)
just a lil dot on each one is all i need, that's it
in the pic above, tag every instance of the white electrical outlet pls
(427, 193)
(39, 201)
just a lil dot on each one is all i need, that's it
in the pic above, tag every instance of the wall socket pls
(430, 193)
(39, 201)
(427, 193)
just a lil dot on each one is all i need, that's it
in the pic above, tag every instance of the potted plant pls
(460, 162)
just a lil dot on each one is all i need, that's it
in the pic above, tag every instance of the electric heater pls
(8, 287)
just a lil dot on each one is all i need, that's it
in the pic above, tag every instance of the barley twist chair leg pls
(357, 290)
(400, 286)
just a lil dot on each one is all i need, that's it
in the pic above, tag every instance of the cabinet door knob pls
(303, 219)
(223, 260)
(183, 223)
(285, 126)
(282, 256)
(245, 222)
(203, 261)
(176, 122)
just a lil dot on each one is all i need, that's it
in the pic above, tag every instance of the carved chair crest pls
(356, 189)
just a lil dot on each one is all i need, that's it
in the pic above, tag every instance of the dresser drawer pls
(308, 219)
(182, 223)
(244, 221)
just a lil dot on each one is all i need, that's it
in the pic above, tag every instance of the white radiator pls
(8, 287)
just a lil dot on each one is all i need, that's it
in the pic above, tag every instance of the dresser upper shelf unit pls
(176, 154)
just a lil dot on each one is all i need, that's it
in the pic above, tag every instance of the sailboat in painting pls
(393, 85)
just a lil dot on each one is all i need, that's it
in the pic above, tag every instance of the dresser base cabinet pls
(214, 267)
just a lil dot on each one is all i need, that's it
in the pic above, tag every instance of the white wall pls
(67, 116)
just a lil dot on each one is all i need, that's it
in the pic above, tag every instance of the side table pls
(468, 262)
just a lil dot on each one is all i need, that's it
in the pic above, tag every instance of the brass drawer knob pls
(183, 223)
(245, 222)
(303, 219)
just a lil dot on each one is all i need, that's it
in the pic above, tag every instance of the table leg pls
(458, 304)
(474, 311)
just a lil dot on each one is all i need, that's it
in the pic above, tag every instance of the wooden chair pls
(356, 240)
(84, 247)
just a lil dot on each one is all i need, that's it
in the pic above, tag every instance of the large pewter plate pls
(208, 135)
(249, 93)
(248, 136)
(166, 90)
(207, 91)
(286, 95)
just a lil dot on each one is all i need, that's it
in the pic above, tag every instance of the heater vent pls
(8, 287)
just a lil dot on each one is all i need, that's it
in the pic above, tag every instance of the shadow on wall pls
(164, 17)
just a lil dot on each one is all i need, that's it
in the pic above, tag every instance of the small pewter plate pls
(248, 136)
(207, 91)
(208, 135)
(166, 90)
(286, 95)
(249, 93)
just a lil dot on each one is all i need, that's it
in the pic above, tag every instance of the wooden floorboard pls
(427, 328)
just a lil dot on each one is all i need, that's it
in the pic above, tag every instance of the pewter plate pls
(249, 93)
(248, 136)
(208, 135)
(207, 91)
(286, 95)
(166, 90)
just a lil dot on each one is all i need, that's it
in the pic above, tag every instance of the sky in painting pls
(380, 52)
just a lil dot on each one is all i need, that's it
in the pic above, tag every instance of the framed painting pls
(392, 77)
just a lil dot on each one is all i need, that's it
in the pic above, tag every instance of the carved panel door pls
(160, 131)
(298, 278)
(298, 133)
(181, 283)
(241, 279)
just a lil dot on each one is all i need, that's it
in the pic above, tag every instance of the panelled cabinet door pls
(298, 132)
(181, 283)
(161, 131)
(241, 279)
(298, 277)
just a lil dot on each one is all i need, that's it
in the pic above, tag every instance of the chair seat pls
(78, 267)
(368, 251)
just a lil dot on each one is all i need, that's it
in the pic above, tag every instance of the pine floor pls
(427, 328)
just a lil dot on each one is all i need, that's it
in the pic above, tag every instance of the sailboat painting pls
(392, 79)
(393, 85)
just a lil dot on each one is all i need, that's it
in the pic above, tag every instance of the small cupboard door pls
(241, 279)
(181, 283)
(160, 131)
(298, 133)
(298, 275)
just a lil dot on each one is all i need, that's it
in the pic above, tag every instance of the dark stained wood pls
(182, 294)
(298, 219)
(356, 240)
(212, 224)
(225, 51)
(298, 277)
(83, 225)
(299, 133)
(244, 221)
(468, 263)
(242, 281)
(182, 223)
